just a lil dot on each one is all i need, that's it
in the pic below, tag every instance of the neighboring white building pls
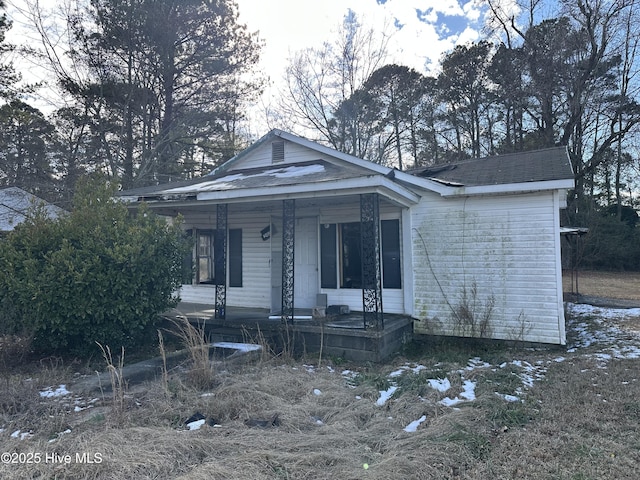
(16, 205)
(467, 249)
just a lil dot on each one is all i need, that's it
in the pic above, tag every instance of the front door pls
(306, 283)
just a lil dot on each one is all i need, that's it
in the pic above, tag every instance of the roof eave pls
(375, 183)
(388, 189)
(523, 187)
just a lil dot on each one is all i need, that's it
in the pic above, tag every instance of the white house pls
(17, 204)
(467, 249)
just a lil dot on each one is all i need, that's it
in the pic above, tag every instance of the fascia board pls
(510, 188)
(422, 183)
(385, 187)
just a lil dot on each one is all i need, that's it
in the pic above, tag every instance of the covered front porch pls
(322, 273)
(300, 254)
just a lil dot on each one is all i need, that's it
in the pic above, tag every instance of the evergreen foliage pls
(98, 274)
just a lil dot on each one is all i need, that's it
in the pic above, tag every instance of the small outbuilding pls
(295, 231)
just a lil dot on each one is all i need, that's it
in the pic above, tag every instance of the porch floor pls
(341, 336)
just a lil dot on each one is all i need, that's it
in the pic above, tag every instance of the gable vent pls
(277, 151)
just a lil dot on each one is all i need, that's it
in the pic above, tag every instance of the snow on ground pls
(241, 347)
(590, 328)
(60, 391)
(386, 395)
(594, 327)
(413, 426)
(592, 331)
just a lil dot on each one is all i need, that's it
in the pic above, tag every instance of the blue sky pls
(421, 30)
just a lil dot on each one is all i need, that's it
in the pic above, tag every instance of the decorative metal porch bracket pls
(288, 263)
(220, 261)
(371, 276)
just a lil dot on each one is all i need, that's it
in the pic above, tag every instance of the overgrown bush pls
(99, 274)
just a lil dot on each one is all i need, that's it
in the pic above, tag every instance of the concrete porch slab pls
(341, 336)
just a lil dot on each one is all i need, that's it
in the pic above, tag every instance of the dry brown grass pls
(579, 429)
(579, 422)
(620, 285)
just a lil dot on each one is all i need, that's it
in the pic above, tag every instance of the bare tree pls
(319, 81)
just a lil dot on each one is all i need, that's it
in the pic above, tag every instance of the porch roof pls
(312, 179)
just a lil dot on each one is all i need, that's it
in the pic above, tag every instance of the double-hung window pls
(341, 250)
(206, 270)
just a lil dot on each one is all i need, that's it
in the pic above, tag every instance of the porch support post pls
(288, 251)
(370, 247)
(220, 261)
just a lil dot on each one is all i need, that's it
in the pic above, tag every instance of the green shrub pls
(99, 274)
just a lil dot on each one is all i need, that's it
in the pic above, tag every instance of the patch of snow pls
(21, 435)
(60, 434)
(468, 390)
(407, 368)
(450, 402)
(61, 391)
(475, 363)
(226, 182)
(413, 426)
(241, 347)
(441, 385)
(295, 171)
(468, 394)
(386, 395)
(509, 398)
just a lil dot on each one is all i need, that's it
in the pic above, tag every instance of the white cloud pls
(419, 42)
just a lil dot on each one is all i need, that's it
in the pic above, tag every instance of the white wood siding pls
(507, 246)
(261, 156)
(256, 270)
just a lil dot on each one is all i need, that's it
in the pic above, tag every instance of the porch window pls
(350, 255)
(340, 255)
(390, 236)
(204, 257)
(205, 271)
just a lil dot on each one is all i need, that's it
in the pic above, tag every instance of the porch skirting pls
(342, 336)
